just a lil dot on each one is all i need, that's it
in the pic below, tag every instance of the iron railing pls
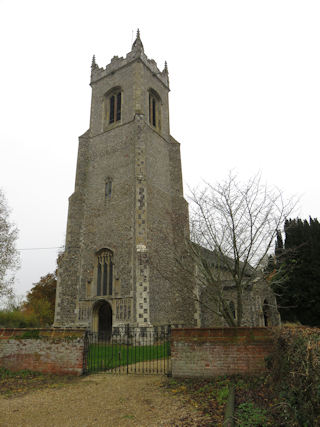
(129, 350)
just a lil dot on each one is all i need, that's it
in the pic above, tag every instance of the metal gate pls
(130, 350)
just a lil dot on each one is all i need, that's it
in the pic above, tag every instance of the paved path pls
(101, 400)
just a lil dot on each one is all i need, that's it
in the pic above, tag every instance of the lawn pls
(112, 356)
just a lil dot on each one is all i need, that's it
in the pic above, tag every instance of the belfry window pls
(105, 273)
(154, 109)
(115, 108)
(118, 109)
(113, 104)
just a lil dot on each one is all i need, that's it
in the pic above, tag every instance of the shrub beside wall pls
(219, 351)
(42, 350)
(295, 370)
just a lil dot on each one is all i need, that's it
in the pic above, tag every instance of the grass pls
(111, 356)
(248, 415)
(25, 373)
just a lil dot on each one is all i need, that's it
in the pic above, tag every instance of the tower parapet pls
(136, 53)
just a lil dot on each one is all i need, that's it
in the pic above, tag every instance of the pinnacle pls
(137, 44)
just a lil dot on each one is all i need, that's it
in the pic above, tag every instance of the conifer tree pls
(298, 264)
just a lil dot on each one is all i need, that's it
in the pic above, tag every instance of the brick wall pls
(42, 350)
(219, 351)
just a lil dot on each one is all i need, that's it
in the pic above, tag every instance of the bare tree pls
(233, 227)
(9, 259)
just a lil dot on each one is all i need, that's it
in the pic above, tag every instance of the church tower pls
(127, 208)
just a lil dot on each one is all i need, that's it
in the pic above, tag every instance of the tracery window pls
(104, 272)
(113, 105)
(154, 109)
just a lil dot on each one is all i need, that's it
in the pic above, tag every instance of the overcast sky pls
(245, 95)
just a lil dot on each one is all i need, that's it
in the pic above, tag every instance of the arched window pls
(112, 106)
(154, 109)
(104, 272)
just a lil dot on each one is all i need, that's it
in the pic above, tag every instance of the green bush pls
(17, 319)
(295, 371)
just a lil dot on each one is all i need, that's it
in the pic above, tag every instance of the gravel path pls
(101, 400)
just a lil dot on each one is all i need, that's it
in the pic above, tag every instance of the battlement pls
(136, 53)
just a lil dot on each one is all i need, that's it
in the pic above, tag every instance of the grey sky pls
(245, 95)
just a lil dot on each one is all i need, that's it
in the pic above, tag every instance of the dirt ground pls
(102, 400)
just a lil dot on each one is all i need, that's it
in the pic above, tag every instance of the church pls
(127, 208)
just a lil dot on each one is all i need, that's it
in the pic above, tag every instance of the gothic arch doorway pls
(102, 319)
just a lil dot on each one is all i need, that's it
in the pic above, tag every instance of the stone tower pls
(127, 207)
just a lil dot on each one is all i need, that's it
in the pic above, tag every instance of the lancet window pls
(105, 273)
(113, 106)
(154, 109)
(108, 188)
